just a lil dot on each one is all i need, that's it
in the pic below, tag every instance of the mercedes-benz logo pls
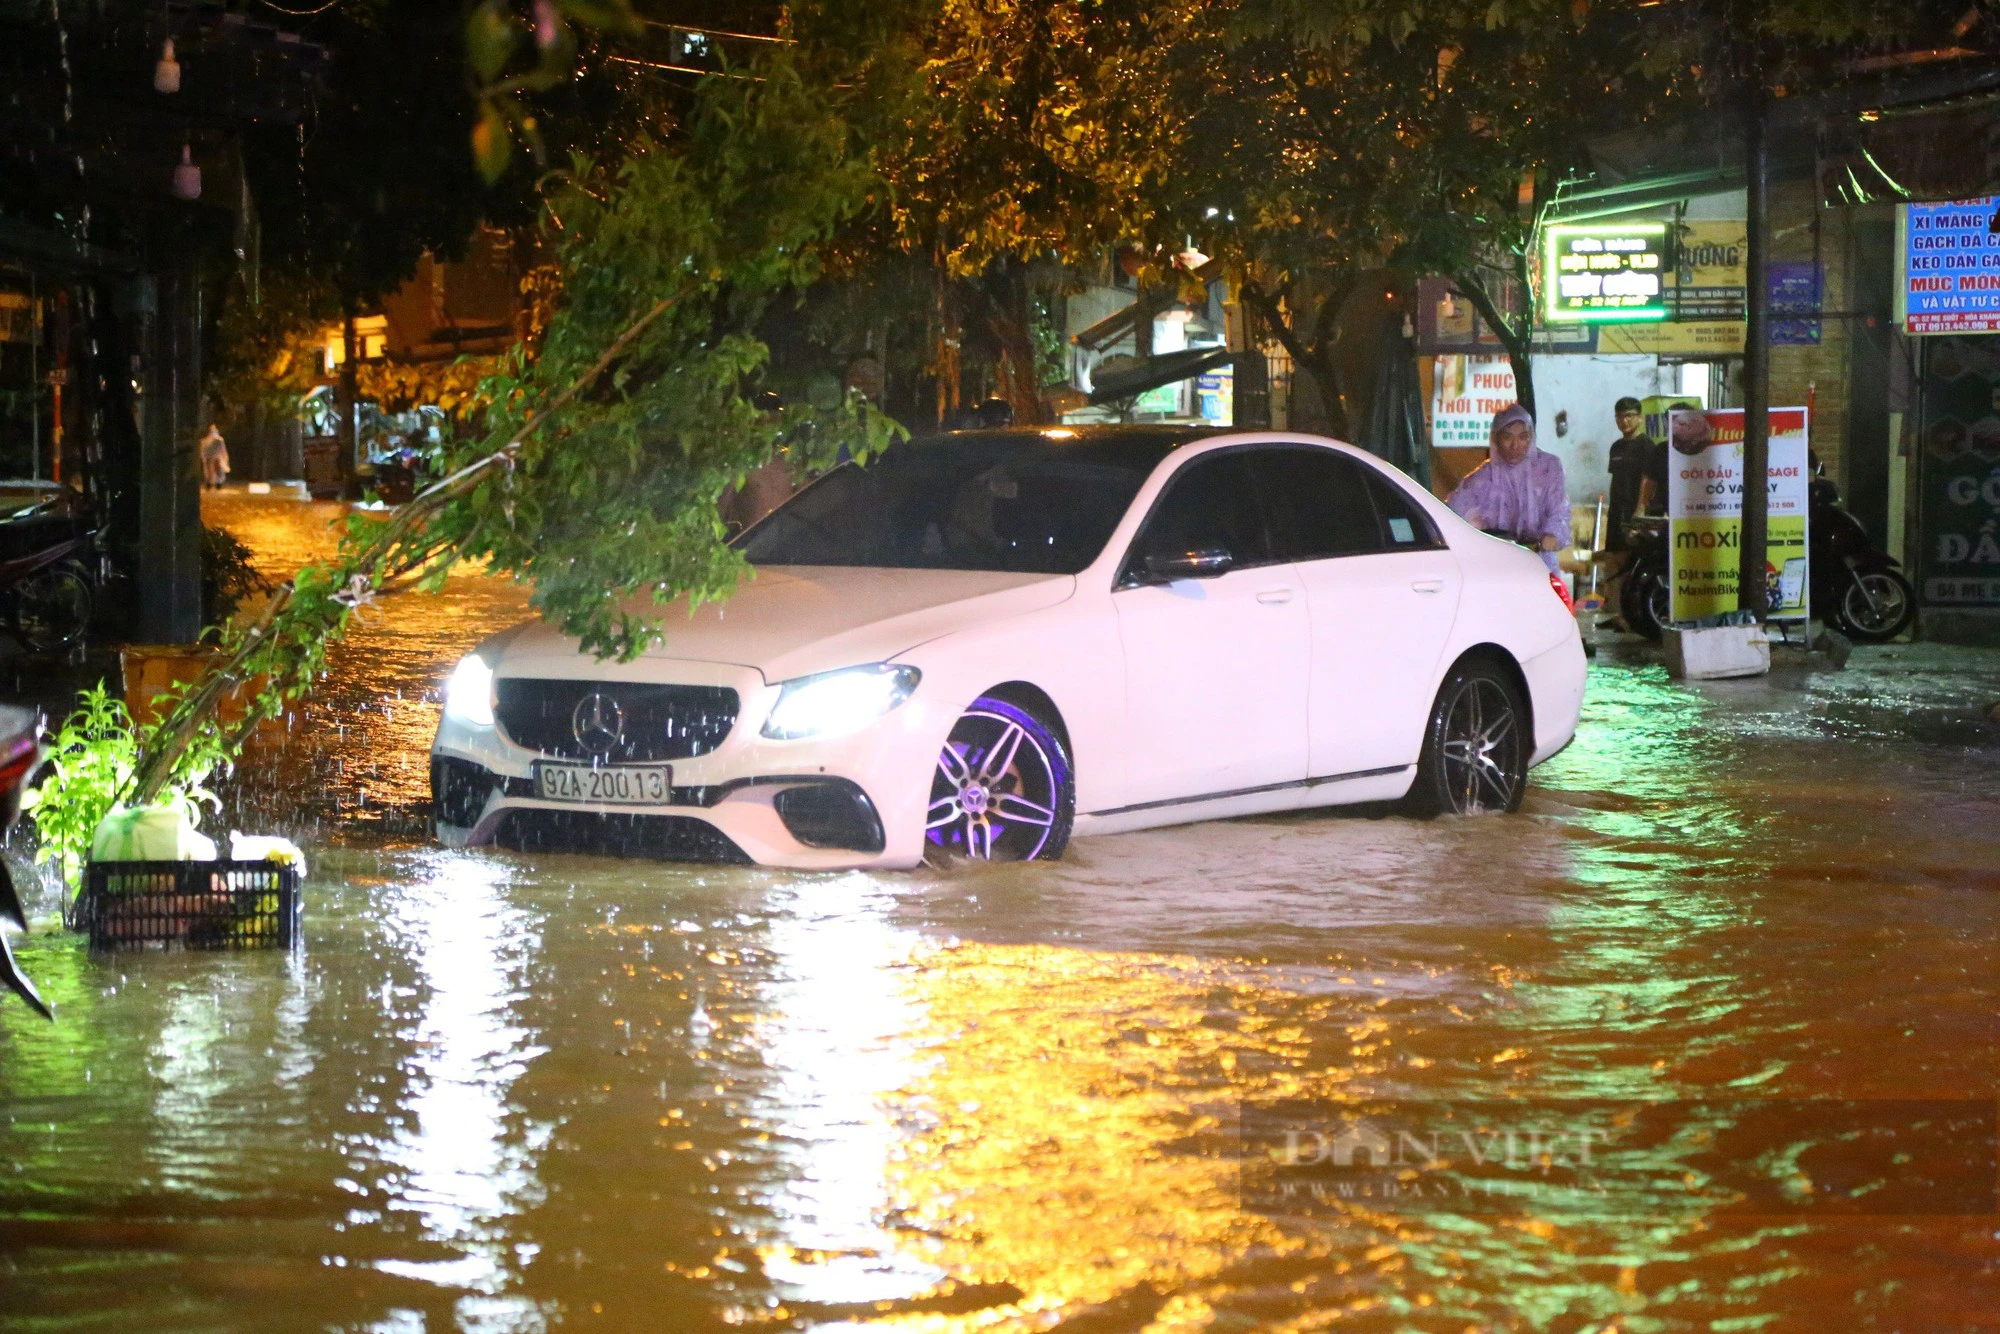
(598, 723)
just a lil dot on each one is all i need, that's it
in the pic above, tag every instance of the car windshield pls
(1018, 503)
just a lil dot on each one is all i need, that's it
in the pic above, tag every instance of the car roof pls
(1143, 444)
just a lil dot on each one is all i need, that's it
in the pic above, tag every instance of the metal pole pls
(34, 378)
(1751, 594)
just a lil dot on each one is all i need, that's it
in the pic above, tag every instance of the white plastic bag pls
(162, 832)
(266, 848)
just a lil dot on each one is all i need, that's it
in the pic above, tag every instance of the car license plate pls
(619, 785)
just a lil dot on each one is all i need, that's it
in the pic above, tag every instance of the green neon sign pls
(1605, 273)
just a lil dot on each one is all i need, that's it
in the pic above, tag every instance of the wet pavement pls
(500, 1092)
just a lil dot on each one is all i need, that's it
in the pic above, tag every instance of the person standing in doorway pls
(1519, 490)
(214, 457)
(1638, 473)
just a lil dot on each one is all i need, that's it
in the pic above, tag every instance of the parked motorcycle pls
(1857, 587)
(47, 558)
(1645, 597)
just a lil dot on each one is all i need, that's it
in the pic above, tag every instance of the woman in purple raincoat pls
(1519, 490)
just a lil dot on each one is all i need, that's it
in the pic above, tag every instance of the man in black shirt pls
(1638, 473)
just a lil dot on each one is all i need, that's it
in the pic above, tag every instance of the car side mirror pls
(1200, 563)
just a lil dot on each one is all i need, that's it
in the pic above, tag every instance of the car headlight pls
(836, 703)
(468, 695)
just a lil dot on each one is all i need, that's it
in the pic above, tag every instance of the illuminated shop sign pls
(1605, 274)
(1950, 278)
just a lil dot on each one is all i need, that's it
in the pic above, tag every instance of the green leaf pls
(490, 34)
(609, 15)
(492, 145)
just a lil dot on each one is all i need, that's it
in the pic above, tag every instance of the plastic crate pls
(197, 905)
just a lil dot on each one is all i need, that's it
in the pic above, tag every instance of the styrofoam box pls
(1718, 653)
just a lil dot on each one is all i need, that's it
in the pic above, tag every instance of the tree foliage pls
(1303, 144)
(1306, 142)
(721, 222)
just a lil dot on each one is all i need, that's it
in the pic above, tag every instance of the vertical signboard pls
(1795, 288)
(1466, 392)
(1705, 512)
(1215, 396)
(1958, 557)
(1949, 262)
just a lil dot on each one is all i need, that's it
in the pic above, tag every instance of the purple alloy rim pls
(997, 786)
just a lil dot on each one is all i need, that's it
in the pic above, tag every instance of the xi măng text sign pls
(1705, 482)
(1949, 279)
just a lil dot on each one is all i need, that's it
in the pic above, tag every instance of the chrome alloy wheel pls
(1481, 749)
(1000, 789)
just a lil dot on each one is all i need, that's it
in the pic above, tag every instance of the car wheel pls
(1877, 606)
(1476, 746)
(1002, 788)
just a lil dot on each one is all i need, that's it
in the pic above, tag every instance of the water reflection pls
(838, 1037)
(460, 1160)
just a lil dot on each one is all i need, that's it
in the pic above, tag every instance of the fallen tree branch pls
(352, 579)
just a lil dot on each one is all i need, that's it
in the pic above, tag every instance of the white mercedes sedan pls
(983, 644)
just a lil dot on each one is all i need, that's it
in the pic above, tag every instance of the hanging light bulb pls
(167, 74)
(187, 176)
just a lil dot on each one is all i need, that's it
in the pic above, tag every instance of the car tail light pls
(1562, 591)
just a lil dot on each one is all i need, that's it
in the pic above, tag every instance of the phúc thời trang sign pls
(1705, 481)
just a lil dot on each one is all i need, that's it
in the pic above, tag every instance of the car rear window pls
(1405, 525)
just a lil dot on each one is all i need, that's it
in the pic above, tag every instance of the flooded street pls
(500, 1092)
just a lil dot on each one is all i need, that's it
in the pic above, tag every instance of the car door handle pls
(1428, 585)
(1272, 597)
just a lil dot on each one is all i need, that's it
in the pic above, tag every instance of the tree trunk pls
(1752, 569)
(1314, 361)
(1010, 320)
(1325, 364)
(1517, 340)
(350, 426)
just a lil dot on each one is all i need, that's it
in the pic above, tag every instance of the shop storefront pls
(1948, 303)
(1835, 349)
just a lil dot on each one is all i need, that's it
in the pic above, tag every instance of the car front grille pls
(653, 722)
(673, 838)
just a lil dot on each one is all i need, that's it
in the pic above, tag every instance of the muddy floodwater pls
(501, 1092)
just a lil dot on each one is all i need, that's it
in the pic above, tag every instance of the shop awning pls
(1600, 201)
(1928, 152)
(1152, 372)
